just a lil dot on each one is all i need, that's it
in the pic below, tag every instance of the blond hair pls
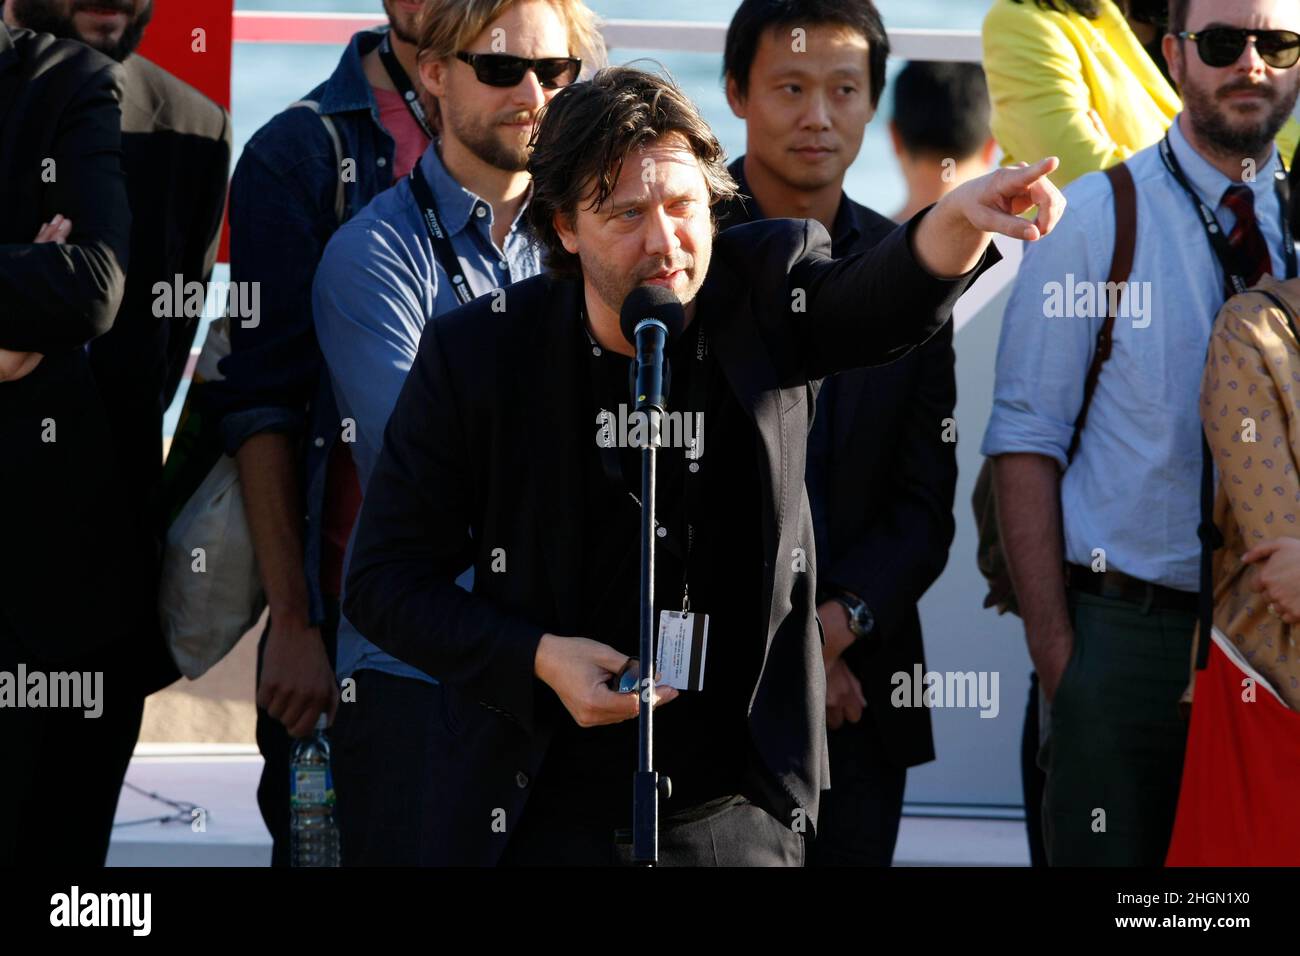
(448, 26)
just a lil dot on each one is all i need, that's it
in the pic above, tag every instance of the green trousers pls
(1114, 738)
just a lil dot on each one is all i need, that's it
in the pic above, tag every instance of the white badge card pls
(683, 643)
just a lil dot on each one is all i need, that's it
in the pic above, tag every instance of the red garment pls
(1246, 239)
(407, 135)
(1241, 775)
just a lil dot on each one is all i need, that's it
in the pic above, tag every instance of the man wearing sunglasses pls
(1102, 542)
(274, 401)
(449, 232)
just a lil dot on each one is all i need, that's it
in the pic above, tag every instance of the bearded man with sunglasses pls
(1102, 538)
(452, 230)
(296, 178)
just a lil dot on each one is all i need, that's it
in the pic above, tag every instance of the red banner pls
(192, 40)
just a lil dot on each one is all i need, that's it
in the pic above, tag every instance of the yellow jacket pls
(1061, 84)
(1084, 90)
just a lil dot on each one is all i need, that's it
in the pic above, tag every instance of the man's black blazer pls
(176, 158)
(60, 152)
(474, 469)
(881, 479)
(889, 479)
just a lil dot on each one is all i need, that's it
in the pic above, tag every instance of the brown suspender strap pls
(1121, 265)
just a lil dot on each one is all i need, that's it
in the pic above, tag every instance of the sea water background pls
(268, 77)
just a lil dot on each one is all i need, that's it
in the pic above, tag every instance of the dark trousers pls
(62, 771)
(1032, 778)
(860, 814)
(382, 749)
(1114, 745)
(731, 831)
(276, 747)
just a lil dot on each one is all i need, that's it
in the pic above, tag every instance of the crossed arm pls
(15, 365)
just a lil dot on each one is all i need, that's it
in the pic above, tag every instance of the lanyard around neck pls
(1214, 232)
(611, 461)
(1210, 537)
(442, 248)
(403, 84)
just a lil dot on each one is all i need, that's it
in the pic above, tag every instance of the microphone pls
(651, 317)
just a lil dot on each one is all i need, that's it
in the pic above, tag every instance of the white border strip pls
(170, 749)
(376, 18)
(690, 36)
(694, 36)
(1236, 658)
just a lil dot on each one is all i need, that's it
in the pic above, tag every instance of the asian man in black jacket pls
(882, 463)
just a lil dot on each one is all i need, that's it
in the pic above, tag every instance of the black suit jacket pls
(60, 152)
(472, 463)
(176, 157)
(881, 481)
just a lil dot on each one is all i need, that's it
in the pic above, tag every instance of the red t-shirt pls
(406, 132)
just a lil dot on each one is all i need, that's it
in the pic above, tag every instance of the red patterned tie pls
(1246, 241)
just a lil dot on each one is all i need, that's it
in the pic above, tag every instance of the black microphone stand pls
(645, 789)
(647, 784)
(648, 319)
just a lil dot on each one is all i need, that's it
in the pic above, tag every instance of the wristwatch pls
(861, 621)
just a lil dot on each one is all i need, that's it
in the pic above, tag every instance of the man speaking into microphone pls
(506, 452)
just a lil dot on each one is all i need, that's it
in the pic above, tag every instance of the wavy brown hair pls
(1178, 15)
(585, 134)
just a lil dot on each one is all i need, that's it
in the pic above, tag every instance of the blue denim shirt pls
(282, 214)
(378, 284)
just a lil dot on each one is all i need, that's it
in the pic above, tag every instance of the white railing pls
(694, 37)
(683, 36)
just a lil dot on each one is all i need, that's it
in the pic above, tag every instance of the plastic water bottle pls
(314, 836)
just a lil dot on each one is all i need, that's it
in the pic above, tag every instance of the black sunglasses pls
(501, 69)
(1222, 46)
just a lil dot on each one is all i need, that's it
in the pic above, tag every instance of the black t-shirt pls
(701, 739)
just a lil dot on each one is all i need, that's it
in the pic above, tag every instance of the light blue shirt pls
(1133, 489)
(377, 285)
